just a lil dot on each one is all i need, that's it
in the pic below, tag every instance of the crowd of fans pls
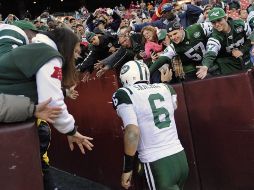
(189, 39)
(143, 31)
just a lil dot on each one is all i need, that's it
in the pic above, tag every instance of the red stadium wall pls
(215, 121)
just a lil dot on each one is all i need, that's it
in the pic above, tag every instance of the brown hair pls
(152, 29)
(66, 41)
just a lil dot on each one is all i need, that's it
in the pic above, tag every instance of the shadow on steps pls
(60, 180)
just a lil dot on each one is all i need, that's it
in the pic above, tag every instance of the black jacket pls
(123, 55)
(98, 52)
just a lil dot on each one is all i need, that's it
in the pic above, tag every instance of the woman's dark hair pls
(66, 40)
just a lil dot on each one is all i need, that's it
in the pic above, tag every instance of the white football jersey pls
(154, 106)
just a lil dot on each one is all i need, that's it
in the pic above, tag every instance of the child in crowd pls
(150, 39)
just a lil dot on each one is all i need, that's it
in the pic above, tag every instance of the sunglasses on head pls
(217, 20)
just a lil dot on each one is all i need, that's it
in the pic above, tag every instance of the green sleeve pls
(120, 97)
(158, 63)
(246, 47)
(208, 59)
(171, 89)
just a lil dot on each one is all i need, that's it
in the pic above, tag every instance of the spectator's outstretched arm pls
(166, 75)
(89, 61)
(116, 22)
(165, 57)
(157, 23)
(158, 63)
(89, 22)
(70, 92)
(46, 112)
(157, 14)
(245, 48)
(213, 47)
(192, 9)
(81, 141)
(116, 58)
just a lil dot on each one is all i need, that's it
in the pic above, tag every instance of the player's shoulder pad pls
(121, 96)
(170, 88)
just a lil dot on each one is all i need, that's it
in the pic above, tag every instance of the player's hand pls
(202, 71)
(46, 112)
(126, 180)
(81, 141)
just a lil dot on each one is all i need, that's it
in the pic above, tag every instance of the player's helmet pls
(134, 71)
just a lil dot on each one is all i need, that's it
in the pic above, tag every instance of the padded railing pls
(20, 167)
(215, 121)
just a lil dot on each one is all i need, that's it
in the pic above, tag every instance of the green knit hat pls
(162, 34)
(25, 25)
(89, 36)
(216, 13)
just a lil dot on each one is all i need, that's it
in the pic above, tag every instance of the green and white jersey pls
(222, 43)
(11, 37)
(150, 107)
(250, 20)
(192, 48)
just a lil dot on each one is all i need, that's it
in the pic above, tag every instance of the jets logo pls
(230, 37)
(239, 29)
(115, 100)
(124, 69)
(197, 34)
(215, 13)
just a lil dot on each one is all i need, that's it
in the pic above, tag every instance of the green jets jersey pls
(11, 37)
(250, 19)
(192, 48)
(220, 46)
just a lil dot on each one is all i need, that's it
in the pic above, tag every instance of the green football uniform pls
(192, 48)
(220, 46)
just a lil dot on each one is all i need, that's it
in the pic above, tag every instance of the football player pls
(147, 112)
